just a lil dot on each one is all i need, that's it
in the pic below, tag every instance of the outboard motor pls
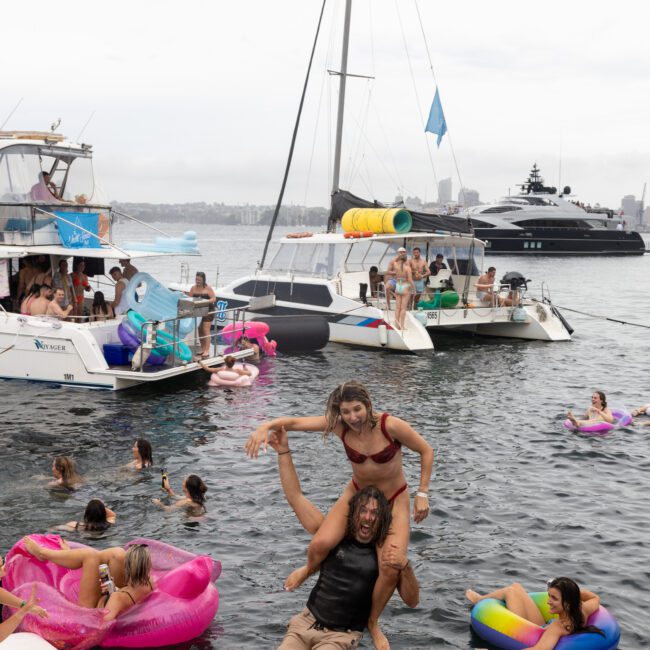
(515, 280)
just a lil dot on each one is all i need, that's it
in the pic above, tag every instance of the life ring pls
(299, 235)
(180, 608)
(496, 624)
(622, 419)
(165, 342)
(227, 377)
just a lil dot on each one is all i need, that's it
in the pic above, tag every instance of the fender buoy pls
(358, 234)
(299, 235)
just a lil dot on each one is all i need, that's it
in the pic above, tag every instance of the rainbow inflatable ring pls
(182, 605)
(622, 419)
(504, 629)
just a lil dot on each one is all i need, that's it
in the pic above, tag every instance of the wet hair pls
(603, 399)
(384, 514)
(144, 449)
(570, 597)
(350, 391)
(200, 274)
(95, 516)
(65, 466)
(197, 489)
(229, 361)
(137, 565)
(99, 303)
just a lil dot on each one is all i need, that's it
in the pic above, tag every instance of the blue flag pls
(436, 122)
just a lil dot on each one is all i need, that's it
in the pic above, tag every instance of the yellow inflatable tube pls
(377, 220)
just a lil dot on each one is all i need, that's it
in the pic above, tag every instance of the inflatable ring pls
(165, 342)
(622, 419)
(180, 608)
(504, 629)
(227, 377)
(130, 337)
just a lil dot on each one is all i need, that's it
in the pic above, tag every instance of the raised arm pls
(589, 602)
(308, 514)
(410, 438)
(260, 436)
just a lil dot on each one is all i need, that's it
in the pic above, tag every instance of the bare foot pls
(33, 548)
(472, 596)
(572, 419)
(379, 639)
(296, 578)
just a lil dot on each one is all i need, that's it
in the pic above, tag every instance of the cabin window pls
(301, 292)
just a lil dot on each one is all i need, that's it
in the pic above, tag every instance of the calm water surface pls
(514, 495)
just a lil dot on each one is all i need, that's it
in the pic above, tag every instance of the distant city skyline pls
(197, 103)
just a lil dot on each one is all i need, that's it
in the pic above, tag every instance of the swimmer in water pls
(597, 412)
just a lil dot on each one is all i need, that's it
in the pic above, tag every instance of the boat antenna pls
(84, 126)
(2, 126)
(293, 141)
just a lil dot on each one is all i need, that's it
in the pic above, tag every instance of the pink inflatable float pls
(227, 377)
(621, 419)
(180, 608)
(253, 330)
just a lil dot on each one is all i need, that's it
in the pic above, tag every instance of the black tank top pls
(342, 596)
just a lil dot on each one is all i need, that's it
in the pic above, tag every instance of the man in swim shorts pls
(390, 280)
(339, 605)
(420, 272)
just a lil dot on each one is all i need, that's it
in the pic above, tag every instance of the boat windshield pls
(22, 169)
(321, 260)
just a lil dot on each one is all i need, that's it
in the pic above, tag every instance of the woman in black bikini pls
(373, 443)
(129, 569)
(97, 518)
(201, 289)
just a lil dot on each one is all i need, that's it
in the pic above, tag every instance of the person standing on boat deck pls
(56, 308)
(339, 605)
(389, 277)
(119, 304)
(420, 272)
(39, 306)
(404, 288)
(201, 289)
(128, 270)
(437, 265)
(79, 284)
(63, 280)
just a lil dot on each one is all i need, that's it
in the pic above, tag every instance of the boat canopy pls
(422, 221)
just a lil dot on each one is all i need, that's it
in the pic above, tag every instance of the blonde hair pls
(65, 465)
(137, 565)
(349, 391)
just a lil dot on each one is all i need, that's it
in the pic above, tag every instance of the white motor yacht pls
(49, 211)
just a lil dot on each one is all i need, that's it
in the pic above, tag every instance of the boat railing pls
(149, 333)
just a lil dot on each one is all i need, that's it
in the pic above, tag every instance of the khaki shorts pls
(301, 636)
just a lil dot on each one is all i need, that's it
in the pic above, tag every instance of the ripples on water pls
(514, 495)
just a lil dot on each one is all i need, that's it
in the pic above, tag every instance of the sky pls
(196, 101)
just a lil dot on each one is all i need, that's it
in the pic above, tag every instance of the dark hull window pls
(310, 294)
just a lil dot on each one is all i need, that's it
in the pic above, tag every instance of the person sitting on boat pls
(38, 307)
(339, 605)
(229, 362)
(597, 412)
(375, 278)
(63, 280)
(119, 304)
(437, 265)
(96, 519)
(45, 189)
(376, 458)
(571, 605)
(129, 570)
(486, 294)
(420, 272)
(32, 295)
(128, 270)
(100, 309)
(56, 308)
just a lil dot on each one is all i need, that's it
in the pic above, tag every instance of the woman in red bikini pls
(373, 443)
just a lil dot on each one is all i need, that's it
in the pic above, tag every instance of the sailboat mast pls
(342, 81)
